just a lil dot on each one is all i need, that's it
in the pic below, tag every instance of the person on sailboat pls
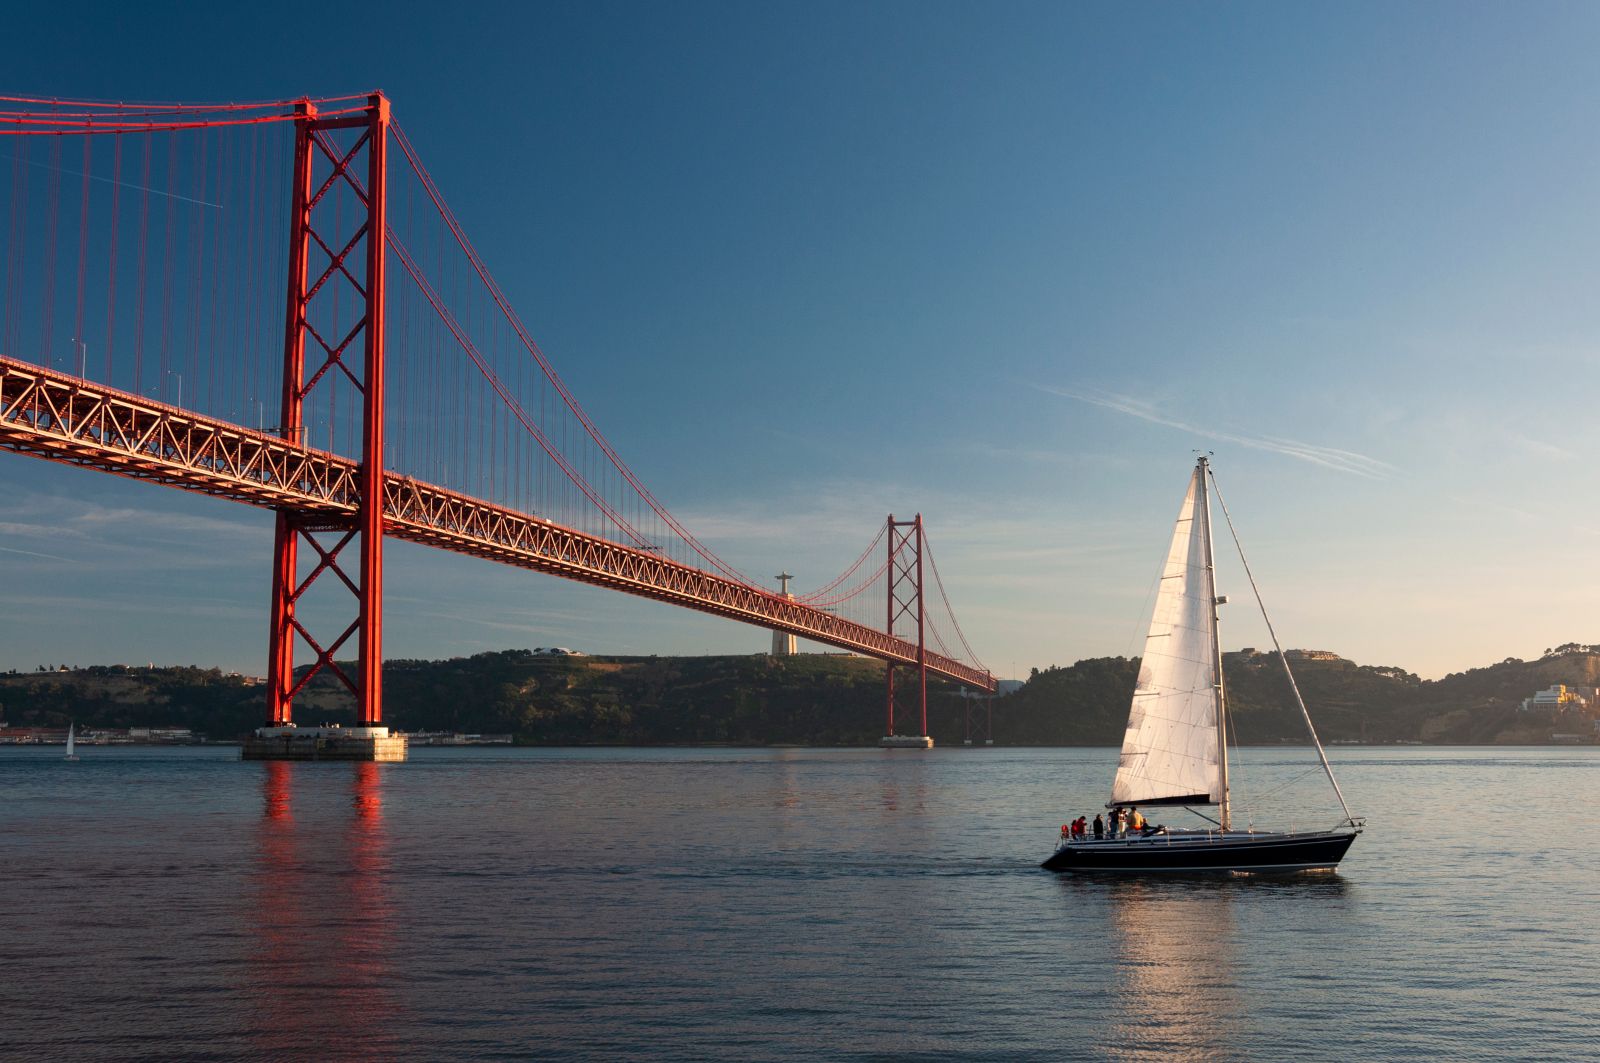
(1099, 827)
(1135, 820)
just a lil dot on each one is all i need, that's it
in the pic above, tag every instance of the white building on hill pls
(1557, 697)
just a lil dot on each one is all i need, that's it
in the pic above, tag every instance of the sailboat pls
(71, 746)
(1175, 751)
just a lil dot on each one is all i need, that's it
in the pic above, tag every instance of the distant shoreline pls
(232, 743)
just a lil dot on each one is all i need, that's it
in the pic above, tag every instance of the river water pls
(779, 904)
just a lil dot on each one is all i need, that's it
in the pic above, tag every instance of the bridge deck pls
(65, 419)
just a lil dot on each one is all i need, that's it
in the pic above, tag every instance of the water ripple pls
(793, 904)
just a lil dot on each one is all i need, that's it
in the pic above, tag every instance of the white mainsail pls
(1171, 751)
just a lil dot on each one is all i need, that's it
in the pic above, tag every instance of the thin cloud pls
(146, 604)
(93, 515)
(43, 531)
(34, 553)
(533, 620)
(1347, 461)
(1537, 448)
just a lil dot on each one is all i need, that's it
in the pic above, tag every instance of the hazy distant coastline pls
(829, 700)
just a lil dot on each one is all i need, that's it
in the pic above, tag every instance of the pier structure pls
(288, 742)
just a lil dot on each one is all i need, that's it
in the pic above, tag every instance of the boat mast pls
(1203, 497)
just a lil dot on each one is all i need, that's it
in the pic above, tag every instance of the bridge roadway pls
(63, 418)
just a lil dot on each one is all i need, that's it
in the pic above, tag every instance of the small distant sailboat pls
(72, 748)
(1175, 751)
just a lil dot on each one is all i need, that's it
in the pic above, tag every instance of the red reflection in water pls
(369, 792)
(275, 787)
(321, 908)
(367, 915)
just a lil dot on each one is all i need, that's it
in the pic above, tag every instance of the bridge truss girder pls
(65, 419)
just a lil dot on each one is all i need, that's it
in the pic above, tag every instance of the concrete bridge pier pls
(289, 742)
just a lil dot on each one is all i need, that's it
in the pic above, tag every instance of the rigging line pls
(1263, 795)
(533, 348)
(1295, 687)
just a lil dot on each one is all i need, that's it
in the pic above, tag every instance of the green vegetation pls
(746, 700)
(202, 699)
(1087, 704)
(815, 699)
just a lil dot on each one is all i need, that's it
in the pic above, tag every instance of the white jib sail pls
(1171, 749)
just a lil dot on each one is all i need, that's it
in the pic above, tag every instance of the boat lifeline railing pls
(1282, 659)
(1197, 837)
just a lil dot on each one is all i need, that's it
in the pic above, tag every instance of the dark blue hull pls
(1189, 852)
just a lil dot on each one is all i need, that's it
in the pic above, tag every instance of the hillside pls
(1087, 703)
(745, 700)
(816, 699)
(203, 700)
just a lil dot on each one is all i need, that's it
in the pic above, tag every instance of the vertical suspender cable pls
(244, 335)
(79, 356)
(214, 302)
(198, 234)
(111, 260)
(15, 251)
(52, 215)
(167, 264)
(144, 270)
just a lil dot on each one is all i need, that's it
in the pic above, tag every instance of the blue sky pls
(1008, 265)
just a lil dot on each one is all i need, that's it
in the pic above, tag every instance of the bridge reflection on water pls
(322, 971)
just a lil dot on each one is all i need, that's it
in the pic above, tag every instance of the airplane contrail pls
(1328, 457)
(120, 184)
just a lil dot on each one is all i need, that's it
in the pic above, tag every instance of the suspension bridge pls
(272, 303)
